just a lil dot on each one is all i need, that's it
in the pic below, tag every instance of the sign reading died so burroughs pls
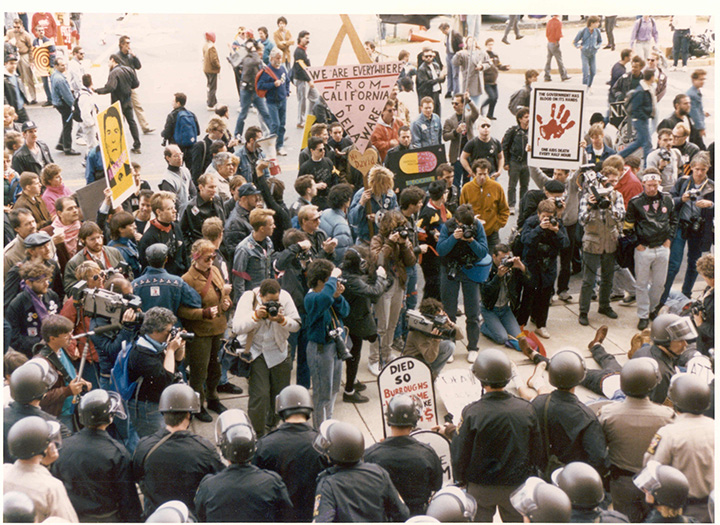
(556, 117)
(356, 94)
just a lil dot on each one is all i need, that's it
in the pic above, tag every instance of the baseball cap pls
(247, 189)
(28, 125)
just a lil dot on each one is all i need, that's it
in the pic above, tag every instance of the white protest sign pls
(356, 94)
(458, 388)
(556, 117)
(441, 446)
(407, 375)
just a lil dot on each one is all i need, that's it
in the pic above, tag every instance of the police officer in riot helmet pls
(498, 444)
(173, 511)
(288, 450)
(572, 429)
(28, 384)
(414, 467)
(18, 508)
(451, 505)
(241, 492)
(95, 468)
(670, 334)
(351, 490)
(170, 464)
(666, 488)
(541, 502)
(584, 487)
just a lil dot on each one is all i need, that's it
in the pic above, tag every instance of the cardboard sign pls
(619, 119)
(415, 167)
(90, 198)
(458, 388)
(556, 117)
(356, 94)
(363, 161)
(441, 446)
(407, 375)
(115, 154)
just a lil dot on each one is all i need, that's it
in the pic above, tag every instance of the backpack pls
(186, 131)
(262, 92)
(121, 375)
(76, 113)
(521, 98)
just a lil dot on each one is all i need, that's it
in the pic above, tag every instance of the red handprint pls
(555, 129)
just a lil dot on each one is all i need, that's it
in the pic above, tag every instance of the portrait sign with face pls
(115, 154)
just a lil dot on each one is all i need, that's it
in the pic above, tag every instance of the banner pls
(115, 154)
(441, 446)
(458, 388)
(407, 375)
(356, 94)
(556, 117)
(415, 167)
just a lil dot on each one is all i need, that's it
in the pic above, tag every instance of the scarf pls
(37, 302)
(70, 232)
(161, 226)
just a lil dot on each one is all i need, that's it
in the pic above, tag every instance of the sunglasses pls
(208, 258)
(484, 125)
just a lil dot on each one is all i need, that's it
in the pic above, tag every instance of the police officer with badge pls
(171, 463)
(288, 450)
(95, 468)
(241, 492)
(414, 467)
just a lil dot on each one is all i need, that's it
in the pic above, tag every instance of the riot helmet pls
(32, 380)
(639, 376)
(98, 407)
(566, 369)
(235, 436)
(493, 367)
(293, 399)
(179, 398)
(341, 442)
(581, 483)
(403, 410)
(32, 436)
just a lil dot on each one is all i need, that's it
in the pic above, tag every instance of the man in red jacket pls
(385, 134)
(553, 32)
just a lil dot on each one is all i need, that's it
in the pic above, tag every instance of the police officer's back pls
(584, 487)
(666, 488)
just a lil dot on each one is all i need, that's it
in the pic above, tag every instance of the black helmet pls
(566, 369)
(403, 410)
(235, 436)
(98, 407)
(670, 327)
(581, 483)
(293, 399)
(31, 436)
(32, 380)
(173, 511)
(156, 254)
(179, 398)
(639, 376)
(541, 502)
(666, 484)
(689, 393)
(18, 508)
(341, 442)
(492, 367)
(452, 504)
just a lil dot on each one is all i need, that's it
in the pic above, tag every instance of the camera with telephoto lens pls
(402, 231)
(598, 185)
(272, 308)
(98, 302)
(185, 336)
(693, 194)
(338, 337)
(468, 231)
(420, 323)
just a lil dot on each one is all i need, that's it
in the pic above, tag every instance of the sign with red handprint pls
(556, 115)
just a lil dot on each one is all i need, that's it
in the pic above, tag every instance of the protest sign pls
(619, 120)
(407, 375)
(356, 94)
(458, 388)
(363, 161)
(441, 446)
(415, 167)
(90, 198)
(556, 117)
(115, 154)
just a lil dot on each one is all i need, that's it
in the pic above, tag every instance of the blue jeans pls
(249, 98)
(449, 291)
(145, 417)
(445, 352)
(588, 67)
(460, 175)
(498, 323)
(326, 372)
(681, 46)
(277, 112)
(453, 75)
(401, 329)
(677, 249)
(298, 344)
(642, 139)
(491, 101)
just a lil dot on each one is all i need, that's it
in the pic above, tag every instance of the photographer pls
(433, 348)
(394, 252)
(463, 248)
(602, 211)
(363, 287)
(378, 196)
(267, 316)
(321, 246)
(704, 313)
(91, 237)
(543, 236)
(501, 297)
(432, 216)
(694, 198)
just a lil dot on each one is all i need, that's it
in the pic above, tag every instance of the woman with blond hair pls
(371, 202)
(207, 323)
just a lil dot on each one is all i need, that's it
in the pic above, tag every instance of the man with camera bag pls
(267, 316)
(465, 262)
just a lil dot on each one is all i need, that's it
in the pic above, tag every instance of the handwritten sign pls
(407, 375)
(458, 388)
(441, 446)
(363, 161)
(356, 94)
(556, 116)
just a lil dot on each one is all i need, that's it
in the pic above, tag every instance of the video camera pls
(597, 185)
(98, 302)
(418, 322)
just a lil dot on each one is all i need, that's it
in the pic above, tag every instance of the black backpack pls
(76, 114)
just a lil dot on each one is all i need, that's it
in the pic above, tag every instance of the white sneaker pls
(374, 368)
(80, 141)
(684, 68)
(472, 356)
(543, 332)
(282, 152)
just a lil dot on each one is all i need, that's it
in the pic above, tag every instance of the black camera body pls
(185, 336)
(304, 255)
(553, 221)
(694, 194)
(468, 231)
(402, 231)
(420, 323)
(272, 308)
(559, 202)
(338, 337)
(508, 261)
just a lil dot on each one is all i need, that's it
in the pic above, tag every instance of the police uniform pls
(688, 445)
(242, 493)
(666, 364)
(656, 517)
(497, 448)
(414, 469)
(362, 492)
(288, 450)
(97, 473)
(629, 427)
(597, 515)
(17, 411)
(175, 469)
